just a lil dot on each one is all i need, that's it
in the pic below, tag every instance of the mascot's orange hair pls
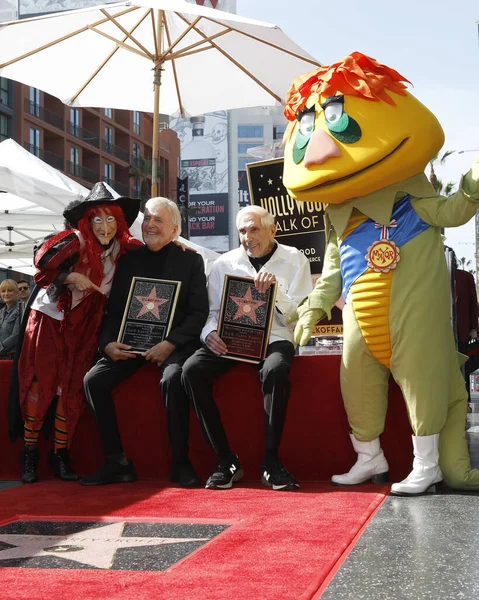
(355, 75)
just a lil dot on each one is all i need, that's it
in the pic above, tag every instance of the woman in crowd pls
(75, 270)
(9, 319)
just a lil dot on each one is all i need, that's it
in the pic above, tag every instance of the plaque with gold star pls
(245, 318)
(148, 313)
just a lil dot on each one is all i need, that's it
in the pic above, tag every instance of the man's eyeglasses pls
(23, 289)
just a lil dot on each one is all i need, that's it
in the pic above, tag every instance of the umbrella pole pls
(156, 107)
(156, 115)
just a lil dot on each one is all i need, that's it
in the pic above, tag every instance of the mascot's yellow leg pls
(453, 452)
(364, 383)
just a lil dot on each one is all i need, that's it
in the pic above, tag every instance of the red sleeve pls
(56, 255)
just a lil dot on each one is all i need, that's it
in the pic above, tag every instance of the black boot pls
(29, 460)
(60, 463)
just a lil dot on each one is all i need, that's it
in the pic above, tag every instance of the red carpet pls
(278, 545)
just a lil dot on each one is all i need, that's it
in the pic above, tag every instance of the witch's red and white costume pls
(60, 338)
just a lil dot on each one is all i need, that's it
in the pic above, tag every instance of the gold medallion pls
(382, 256)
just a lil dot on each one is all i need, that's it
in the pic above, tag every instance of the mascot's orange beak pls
(321, 148)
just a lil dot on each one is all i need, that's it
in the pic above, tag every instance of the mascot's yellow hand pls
(308, 317)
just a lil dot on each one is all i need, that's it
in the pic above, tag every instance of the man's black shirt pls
(171, 262)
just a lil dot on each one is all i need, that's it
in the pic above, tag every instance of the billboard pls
(35, 7)
(8, 10)
(204, 161)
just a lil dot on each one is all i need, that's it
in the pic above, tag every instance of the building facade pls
(88, 144)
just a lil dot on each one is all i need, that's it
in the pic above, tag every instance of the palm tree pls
(444, 189)
(465, 263)
(141, 173)
(441, 188)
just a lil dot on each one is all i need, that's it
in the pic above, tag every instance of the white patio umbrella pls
(153, 55)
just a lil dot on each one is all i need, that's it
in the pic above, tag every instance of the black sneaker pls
(227, 470)
(276, 476)
(111, 472)
(184, 475)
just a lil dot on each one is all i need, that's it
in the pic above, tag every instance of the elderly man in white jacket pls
(259, 256)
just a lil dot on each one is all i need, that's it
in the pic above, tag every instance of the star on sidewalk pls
(246, 306)
(94, 547)
(150, 303)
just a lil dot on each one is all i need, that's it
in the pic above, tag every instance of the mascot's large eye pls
(306, 118)
(306, 124)
(341, 126)
(333, 112)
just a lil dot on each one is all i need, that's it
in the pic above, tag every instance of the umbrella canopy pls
(117, 55)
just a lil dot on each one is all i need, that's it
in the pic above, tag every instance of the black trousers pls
(199, 372)
(101, 380)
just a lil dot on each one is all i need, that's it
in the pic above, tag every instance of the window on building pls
(108, 138)
(243, 147)
(250, 131)
(34, 102)
(4, 91)
(74, 155)
(75, 122)
(243, 161)
(136, 122)
(278, 132)
(136, 154)
(136, 189)
(4, 127)
(35, 141)
(108, 171)
(109, 113)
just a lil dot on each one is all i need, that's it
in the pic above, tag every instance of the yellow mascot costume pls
(359, 142)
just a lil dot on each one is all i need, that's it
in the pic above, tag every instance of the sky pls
(433, 43)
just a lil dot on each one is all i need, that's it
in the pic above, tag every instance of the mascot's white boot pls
(426, 472)
(370, 466)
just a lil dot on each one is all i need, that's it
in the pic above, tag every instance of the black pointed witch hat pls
(100, 194)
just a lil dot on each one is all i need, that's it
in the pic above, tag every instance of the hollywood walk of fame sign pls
(245, 318)
(121, 545)
(148, 313)
(298, 224)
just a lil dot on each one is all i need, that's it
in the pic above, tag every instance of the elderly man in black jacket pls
(161, 258)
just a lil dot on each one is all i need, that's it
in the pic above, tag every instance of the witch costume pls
(60, 330)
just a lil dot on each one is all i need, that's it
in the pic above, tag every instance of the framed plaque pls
(245, 318)
(148, 313)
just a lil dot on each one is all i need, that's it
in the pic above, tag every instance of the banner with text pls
(204, 161)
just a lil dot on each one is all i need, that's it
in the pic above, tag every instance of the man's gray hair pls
(267, 219)
(154, 205)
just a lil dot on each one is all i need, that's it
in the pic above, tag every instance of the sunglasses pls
(23, 289)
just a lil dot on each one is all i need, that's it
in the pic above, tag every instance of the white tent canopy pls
(32, 204)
